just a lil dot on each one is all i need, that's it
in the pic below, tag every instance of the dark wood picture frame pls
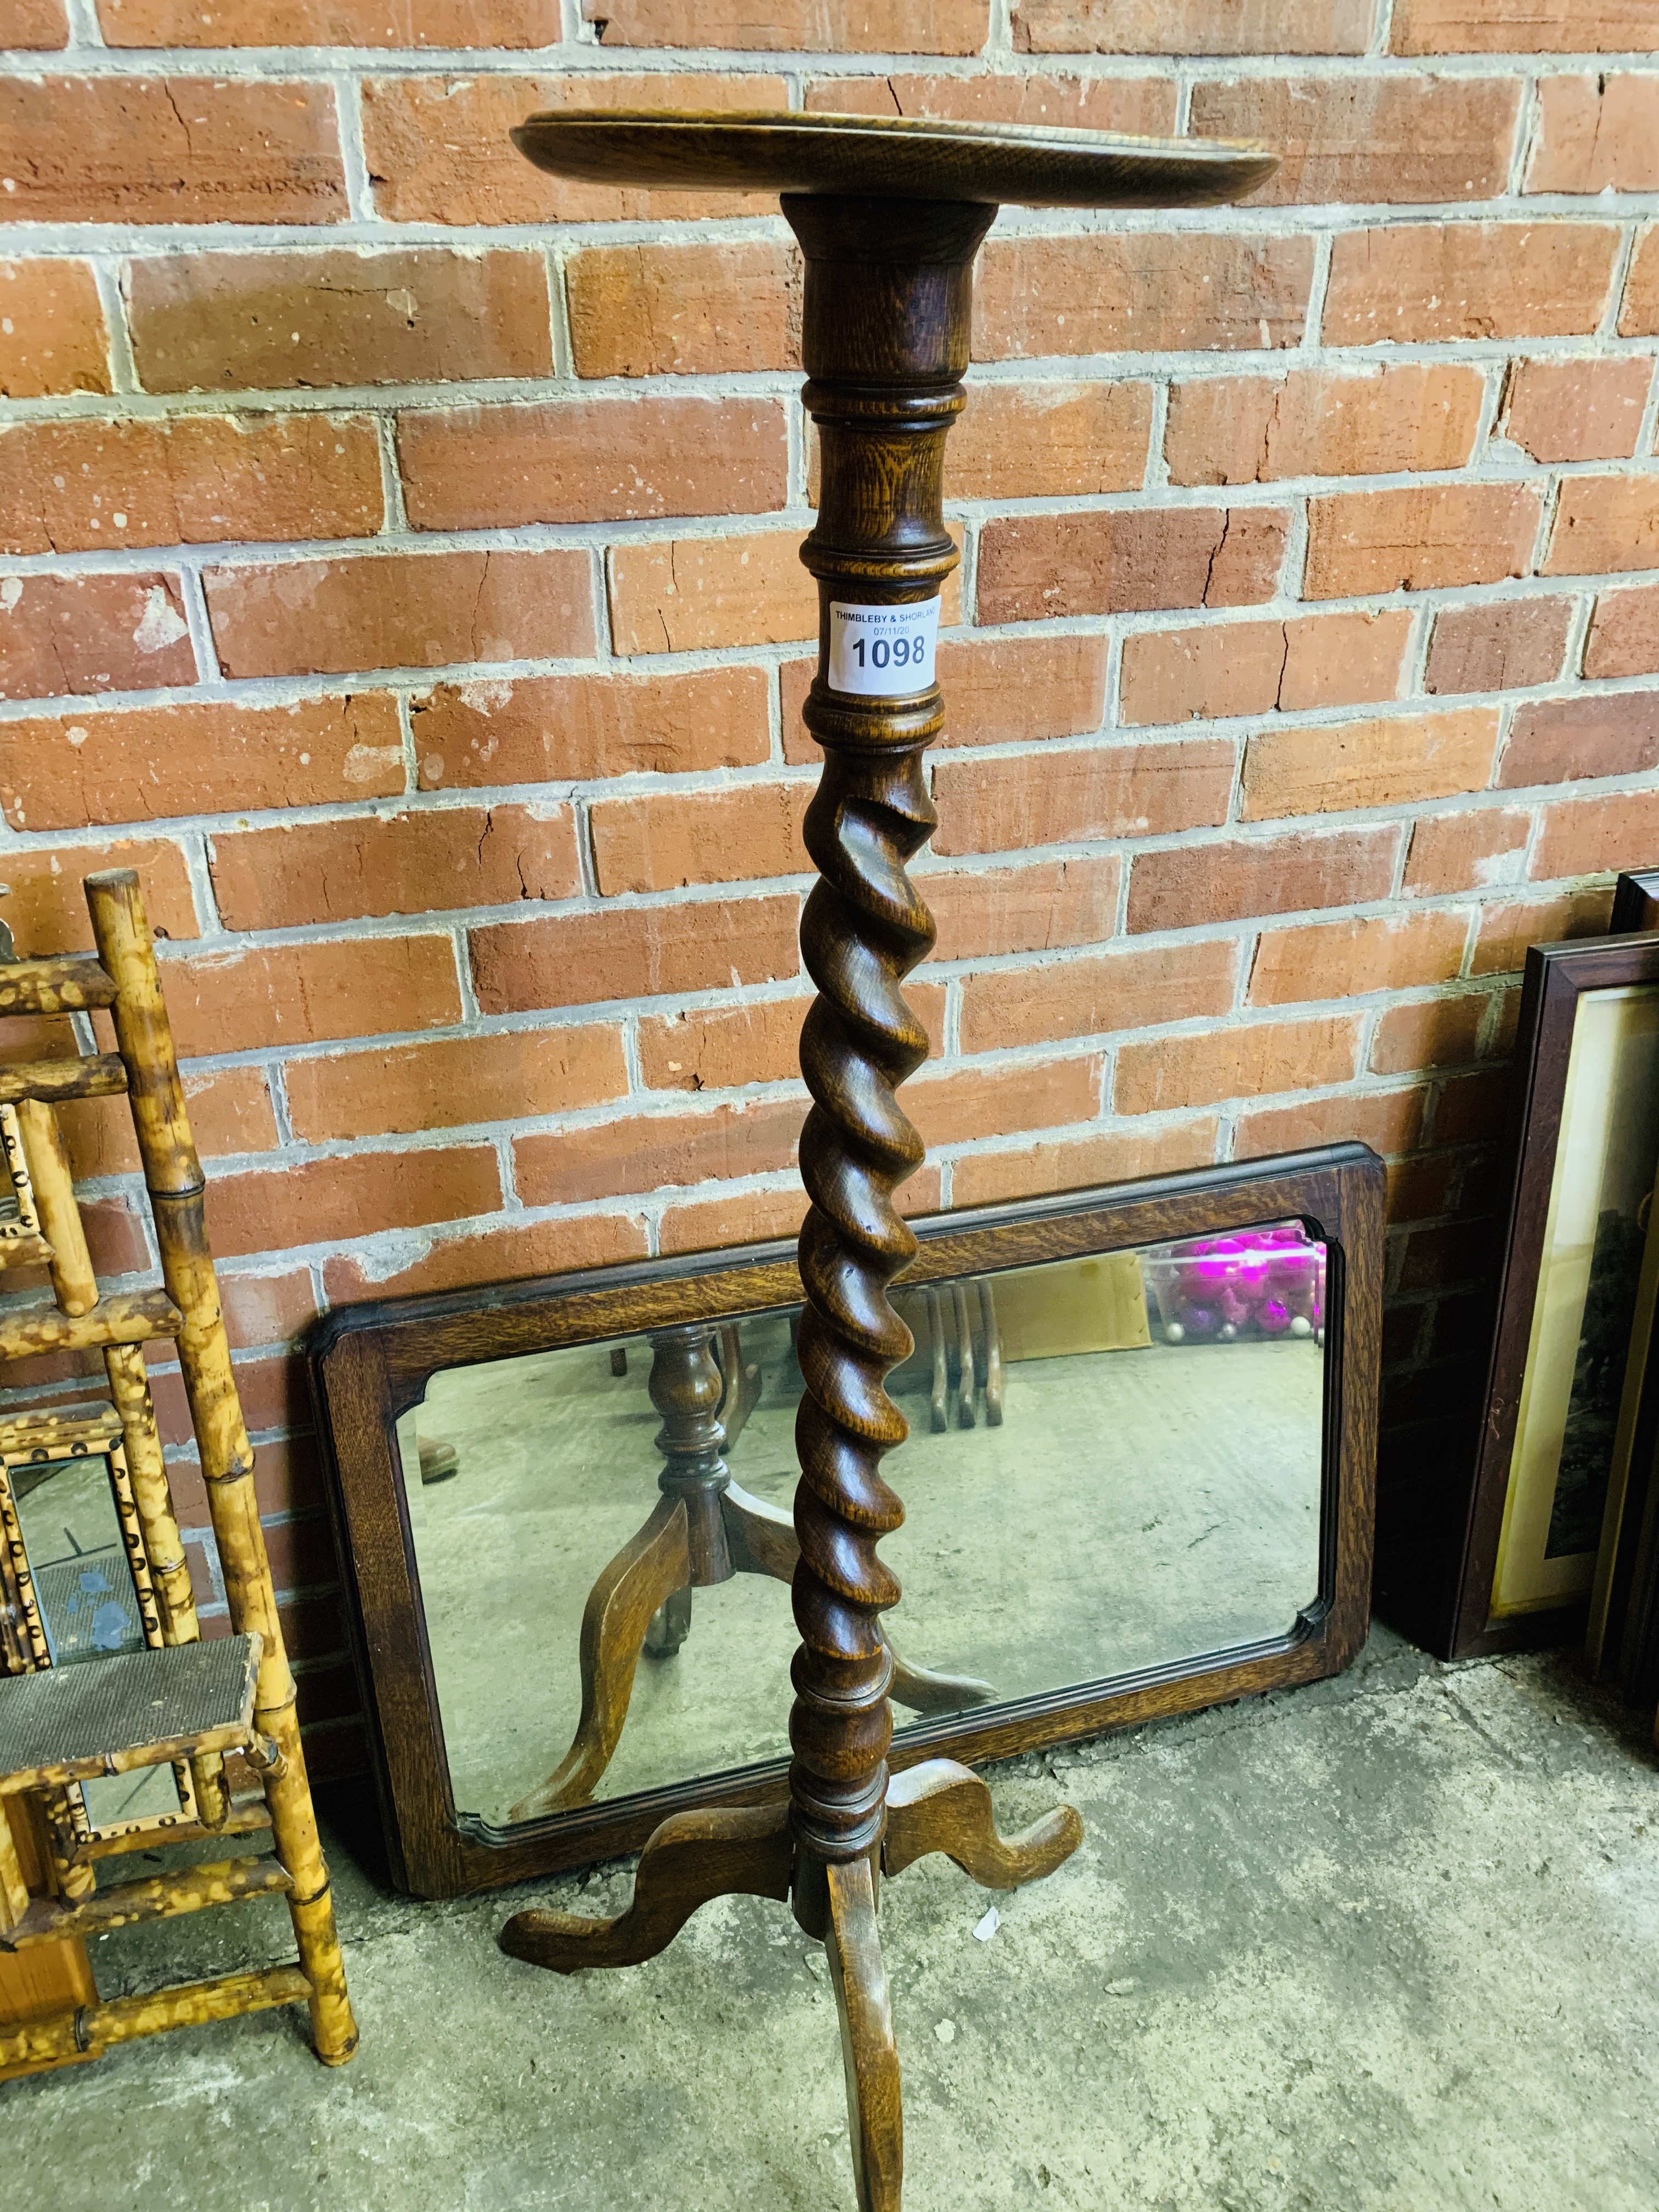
(371, 1364)
(1635, 903)
(1558, 977)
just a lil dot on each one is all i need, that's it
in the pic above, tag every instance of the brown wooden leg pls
(964, 1356)
(643, 1575)
(669, 1625)
(941, 1807)
(874, 2111)
(940, 1399)
(987, 1308)
(691, 1858)
(763, 1542)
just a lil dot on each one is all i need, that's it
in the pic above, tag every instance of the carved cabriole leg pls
(941, 1807)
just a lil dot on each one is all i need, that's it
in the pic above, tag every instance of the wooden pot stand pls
(890, 215)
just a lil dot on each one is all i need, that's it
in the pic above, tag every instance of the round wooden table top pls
(889, 157)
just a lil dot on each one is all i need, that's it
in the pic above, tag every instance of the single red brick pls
(438, 148)
(1137, 987)
(1075, 1162)
(1145, 107)
(413, 23)
(1312, 770)
(683, 594)
(1456, 1252)
(399, 611)
(261, 322)
(1319, 422)
(131, 765)
(338, 1200)
(634, 952)
(1418, 1190)
(32, 25)
(1419, 283)
(1624, 634)
(230, 1114)
(1232, 881)
(172, 150)
(1364, 139)
(437, 860)
(1573, 740)
(1597, 134)
(53, 336)
(959, 1105)
(1142, 292)
(1033, 568)
(1255, 668)
(1578, 410)
(1442, 1032)
(1638, 317)
(673, 310)
(1605, 524)
(199, 480)
(1193, 27)
(1345, 959)
(262, 1310)
(494, 1255)
(815, 27)
(1067, 793)
(747, 1216)
(1420, 539)
(1475, 1108)
(1503, 645)
(660, 841)
(555, 729)
(1388, 1121)
(591, 460)
(453, 1082)
(1040, 908)
(45, 908)
(311, 993)
(1244, 1062)
(1467, 852)
(90, 632)
(657, 1152)
(1042, 440)
(1521, 27)
(1507, 931)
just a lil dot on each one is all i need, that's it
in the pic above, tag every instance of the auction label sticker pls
(883, 652)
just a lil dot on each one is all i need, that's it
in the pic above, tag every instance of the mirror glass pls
(88, 1603)
(1115, 1463)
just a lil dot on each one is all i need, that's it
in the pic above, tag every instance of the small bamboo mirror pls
(75, 1588)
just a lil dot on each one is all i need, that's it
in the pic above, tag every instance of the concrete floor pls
(1389, 1941)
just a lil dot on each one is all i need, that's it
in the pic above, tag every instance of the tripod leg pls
(941, 1807)
(987, 1307)
(937, 1345)
(875, 2113)
(643, 1575)
(691, 1858)
(762, 1540)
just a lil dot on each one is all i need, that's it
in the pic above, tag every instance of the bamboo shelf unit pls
(180, 1699)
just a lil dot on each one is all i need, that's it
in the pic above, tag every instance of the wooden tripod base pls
(695, 1857)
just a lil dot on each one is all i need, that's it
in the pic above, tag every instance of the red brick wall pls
(401, 572)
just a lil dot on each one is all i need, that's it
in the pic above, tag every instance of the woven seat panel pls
(106, 1706)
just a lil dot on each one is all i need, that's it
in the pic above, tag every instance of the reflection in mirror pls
(90, 1604)
(1115, 1463)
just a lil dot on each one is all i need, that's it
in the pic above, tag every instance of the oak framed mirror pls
(1140, 1462)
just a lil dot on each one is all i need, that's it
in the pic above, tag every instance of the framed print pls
(1585, 1152)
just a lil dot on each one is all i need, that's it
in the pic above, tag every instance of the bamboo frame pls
(123, 977)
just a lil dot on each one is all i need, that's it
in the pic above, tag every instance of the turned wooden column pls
(885, 343)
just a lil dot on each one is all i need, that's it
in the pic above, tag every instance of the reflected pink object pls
(1265, 1282)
